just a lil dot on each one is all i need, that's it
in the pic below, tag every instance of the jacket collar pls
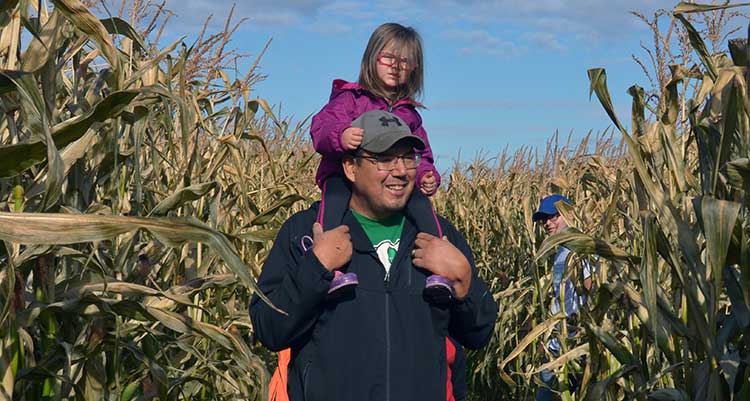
(362, 243)
(340, 85)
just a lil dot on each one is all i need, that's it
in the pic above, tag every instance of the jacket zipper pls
(387, 335)
(387, 347)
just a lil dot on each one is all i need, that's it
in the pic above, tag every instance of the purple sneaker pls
(438, 290)
(343, 280)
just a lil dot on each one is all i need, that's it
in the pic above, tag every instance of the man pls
(384, 341)
(553, 223)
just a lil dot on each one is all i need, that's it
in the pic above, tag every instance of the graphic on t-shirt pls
(386, 251)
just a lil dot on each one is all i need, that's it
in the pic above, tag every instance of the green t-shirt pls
(385, 236)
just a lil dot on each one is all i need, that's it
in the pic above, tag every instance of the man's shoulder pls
(304, 219)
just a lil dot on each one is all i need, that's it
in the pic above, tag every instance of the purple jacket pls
(349, 100)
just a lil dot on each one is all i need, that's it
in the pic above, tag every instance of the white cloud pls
(496, 27)
(329, 28)
(482, 42)
(546, 40)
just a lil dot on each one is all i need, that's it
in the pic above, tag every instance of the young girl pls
(390, 78)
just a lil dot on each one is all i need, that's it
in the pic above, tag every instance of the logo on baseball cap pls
(383, 130)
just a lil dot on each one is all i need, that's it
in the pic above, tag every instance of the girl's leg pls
(334, 202)
(419, 210)
(438, 289)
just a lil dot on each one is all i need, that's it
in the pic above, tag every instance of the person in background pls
(565, 295)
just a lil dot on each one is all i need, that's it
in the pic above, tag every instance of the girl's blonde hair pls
(407, 43)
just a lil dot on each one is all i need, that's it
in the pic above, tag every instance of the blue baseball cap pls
(547, 206)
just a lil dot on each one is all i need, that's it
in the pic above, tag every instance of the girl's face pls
(392, 68)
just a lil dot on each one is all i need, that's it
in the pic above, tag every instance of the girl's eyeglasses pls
(388, 162)
(391, 60)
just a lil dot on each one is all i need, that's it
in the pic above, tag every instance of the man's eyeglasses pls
(389, 162)
(390, 60)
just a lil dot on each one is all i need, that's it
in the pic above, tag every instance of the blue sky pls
(497, 73)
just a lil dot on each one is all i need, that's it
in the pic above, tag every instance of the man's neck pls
(373, 216)
(355, 205)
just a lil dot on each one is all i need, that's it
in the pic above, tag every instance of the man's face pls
(379, 194)
(553, 224)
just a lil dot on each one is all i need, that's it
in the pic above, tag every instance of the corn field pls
(141, 186)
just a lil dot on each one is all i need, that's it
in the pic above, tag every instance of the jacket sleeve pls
(473, 318)
(428, 161)
(330, 122)
(296, 282)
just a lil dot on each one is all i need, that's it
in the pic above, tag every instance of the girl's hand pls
(428, 186)
(351, 138)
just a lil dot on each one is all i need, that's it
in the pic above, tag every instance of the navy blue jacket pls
(385, 343)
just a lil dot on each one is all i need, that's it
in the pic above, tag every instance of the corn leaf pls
(265, 216)
(582, 244)
(685, 7)
(84, 20)
(738, 174)
(699, 46)
(181, 197)
(58, 229)
(115, 25)
(16, 158)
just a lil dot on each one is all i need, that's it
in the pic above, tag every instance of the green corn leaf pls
(55, 171)
(8, 80)
(598, 390)
(719, 218)
(699, 45)
(731, 114)
(622, 354)
(668, 394)
(649, 269)
(115, 25)
(677, 168)
(738, 174)
(672, 96)
(8, 5)
(739, 51)
(736, 294)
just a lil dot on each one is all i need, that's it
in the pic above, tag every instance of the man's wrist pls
(462, 283)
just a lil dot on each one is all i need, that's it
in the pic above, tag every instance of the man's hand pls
(439, 256)
(333, 248)
(351, 138)
(428, 185)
